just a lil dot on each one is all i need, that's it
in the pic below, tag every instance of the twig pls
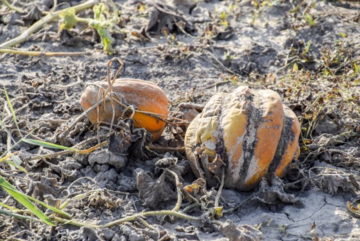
(39, 24)
(80, 179)
(21, 233)
(151, 114)
(79, 118)
(110, 83)
(219, 62)
(166, 149)
(293, 60)
(41, 54)
(237, 206)
(25, 105)
(69, 85)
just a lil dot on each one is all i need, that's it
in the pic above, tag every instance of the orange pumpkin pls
(249, 132)
(146, 96)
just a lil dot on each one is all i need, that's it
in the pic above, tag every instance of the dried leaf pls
(167, 161)
(130, 141)
(353, 210)
(196, 189)
(153, 16)
(216, 167)
(213, 169)
(162, 15)
(273, 193)
(120, 142)
(34, 14)
(102, 198)
(153, 192)
(332, 181)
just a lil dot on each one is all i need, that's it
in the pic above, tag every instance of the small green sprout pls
(67, 19)
(104, 22)
(309, 19)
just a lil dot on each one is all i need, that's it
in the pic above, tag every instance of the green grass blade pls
(11, 109)
(17, 161)
(58, 211)
(47, 144)
(15, 215)
(8, 207)
(2, 159)
(21, 198)
(16, 166)
(12, 189)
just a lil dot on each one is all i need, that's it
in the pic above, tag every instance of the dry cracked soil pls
(307, 51)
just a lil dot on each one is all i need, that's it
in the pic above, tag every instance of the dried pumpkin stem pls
(133, 218)
(74, 222)
(127, 219)
(151, 213)
(191, 206)
(178, 190)
(12, 7)
(146, 224)
(218, 195)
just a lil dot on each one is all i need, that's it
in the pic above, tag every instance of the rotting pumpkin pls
(246, 135)
(149, 100)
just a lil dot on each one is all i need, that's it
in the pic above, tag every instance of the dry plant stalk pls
(39, 24)
(41, 54)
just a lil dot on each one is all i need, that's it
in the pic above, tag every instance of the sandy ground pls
(260, 47)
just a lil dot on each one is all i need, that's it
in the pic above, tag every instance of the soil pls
(309, 52)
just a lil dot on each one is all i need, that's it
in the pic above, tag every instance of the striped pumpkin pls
(248, 131)
(143, 95)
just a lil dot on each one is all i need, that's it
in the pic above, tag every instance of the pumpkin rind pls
(144, 95)
(244, 128)
(288, 147)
